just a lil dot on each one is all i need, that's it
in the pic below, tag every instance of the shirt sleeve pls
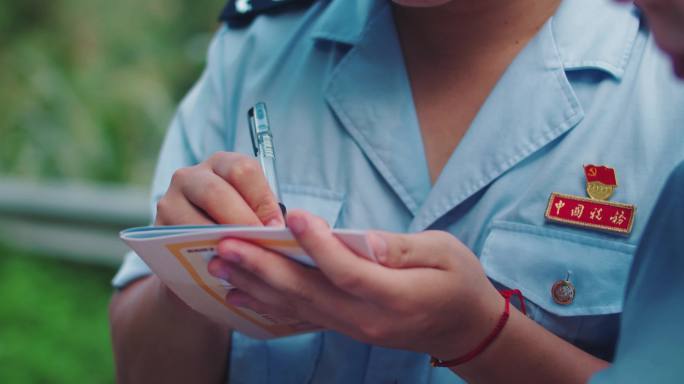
(651, 343)
(198, 117)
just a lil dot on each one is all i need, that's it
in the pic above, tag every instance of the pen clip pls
(260, 129)
(252, 131)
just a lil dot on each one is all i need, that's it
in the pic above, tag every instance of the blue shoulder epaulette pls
(239, 13)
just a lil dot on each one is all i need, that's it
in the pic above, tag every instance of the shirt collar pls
(595, 34)
(589, 34)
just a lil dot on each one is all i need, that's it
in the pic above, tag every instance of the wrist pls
(482, 316)
(489, 339)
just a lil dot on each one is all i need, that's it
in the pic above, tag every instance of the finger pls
(244, 300)
(275, 270)
(347, 270)
(241, 299)
(322, 302)
(310, 293)
(246, 176)
(252, 293)
(246, 282)
(174, 209)
(428, 249)
(218, 199)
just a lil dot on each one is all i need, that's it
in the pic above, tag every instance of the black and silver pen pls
(262, 143)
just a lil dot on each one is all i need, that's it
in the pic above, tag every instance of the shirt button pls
(563, 292)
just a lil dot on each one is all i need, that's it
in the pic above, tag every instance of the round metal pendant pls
(563, 292)
(599, 191)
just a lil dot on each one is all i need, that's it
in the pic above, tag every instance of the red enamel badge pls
(601, 174)
(596, 212)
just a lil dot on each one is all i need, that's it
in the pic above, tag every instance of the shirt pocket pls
(319, 201)
(533, 258)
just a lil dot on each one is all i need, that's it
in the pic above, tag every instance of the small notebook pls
(178, 255)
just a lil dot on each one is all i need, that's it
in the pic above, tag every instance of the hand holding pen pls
(226, 188)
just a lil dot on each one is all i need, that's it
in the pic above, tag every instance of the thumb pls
(428, 249)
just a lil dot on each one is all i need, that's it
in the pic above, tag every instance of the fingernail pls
(274, 223)
(220, 273)
(379, 246)
(297, 224)
(233, 257)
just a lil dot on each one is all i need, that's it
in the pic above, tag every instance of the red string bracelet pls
(507, 293)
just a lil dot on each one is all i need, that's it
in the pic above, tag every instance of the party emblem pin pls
(596, 212)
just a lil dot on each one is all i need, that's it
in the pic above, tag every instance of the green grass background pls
(87, 88)
(53, 317)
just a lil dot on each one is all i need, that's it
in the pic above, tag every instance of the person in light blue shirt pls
(391, 118)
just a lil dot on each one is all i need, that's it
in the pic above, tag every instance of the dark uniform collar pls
(238, 13)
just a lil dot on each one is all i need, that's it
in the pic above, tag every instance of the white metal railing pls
(73, 220)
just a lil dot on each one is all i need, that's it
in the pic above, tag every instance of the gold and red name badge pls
(595, 212)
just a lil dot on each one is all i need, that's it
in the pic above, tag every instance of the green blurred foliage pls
(87, 87)
(54, 321)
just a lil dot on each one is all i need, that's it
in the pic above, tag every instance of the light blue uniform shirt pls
(590, 87)
(651, 344)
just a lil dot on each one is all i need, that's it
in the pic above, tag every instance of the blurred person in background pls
(651, 344)
(460, 117)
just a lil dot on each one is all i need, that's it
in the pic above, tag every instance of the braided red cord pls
(507, 293)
